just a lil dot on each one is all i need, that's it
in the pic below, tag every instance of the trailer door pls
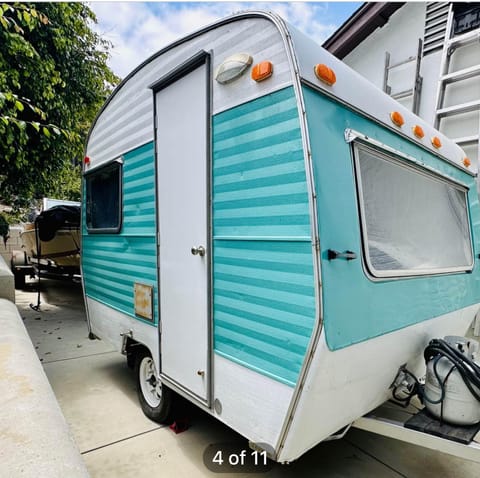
(182, 142)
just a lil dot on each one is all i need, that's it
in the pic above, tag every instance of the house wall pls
(400, 38)
(14, 243)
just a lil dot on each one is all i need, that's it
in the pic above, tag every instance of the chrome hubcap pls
(150, 385)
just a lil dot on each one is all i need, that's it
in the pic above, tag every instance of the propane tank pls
(460, 407)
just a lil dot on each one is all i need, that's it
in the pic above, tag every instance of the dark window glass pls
(103, 191)
(466, 17)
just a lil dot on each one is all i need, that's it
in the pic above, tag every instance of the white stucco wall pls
(400, 38)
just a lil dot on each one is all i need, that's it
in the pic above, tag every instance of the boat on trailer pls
(270, 236)
(50, 244)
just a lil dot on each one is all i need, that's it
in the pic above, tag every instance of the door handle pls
(348, 255)
(198, 251)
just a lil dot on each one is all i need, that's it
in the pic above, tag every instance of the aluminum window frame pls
(116, 163)
(396, 159)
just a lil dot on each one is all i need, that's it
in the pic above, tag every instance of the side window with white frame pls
(414, 222)
(104, 198)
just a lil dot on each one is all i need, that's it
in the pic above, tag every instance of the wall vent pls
(436, 18)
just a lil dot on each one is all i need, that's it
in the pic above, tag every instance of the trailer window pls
(103, 199)
(413, 221)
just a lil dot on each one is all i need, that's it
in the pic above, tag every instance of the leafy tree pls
(53, 79)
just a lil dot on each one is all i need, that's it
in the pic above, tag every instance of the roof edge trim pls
(369, 17)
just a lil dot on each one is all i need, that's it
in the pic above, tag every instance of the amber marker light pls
(325, 74)
(397, 118)
(418, 131)
(436, 142)
(262, 71)
(466, 162)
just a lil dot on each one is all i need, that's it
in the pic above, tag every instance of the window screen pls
(103, 199)
(413, 221)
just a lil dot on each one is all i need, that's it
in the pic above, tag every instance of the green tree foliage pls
(53, 79)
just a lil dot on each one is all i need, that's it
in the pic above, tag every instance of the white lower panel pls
(108, 324)
(252, 404)
(343, 385)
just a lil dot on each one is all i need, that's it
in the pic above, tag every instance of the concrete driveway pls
(96, 392)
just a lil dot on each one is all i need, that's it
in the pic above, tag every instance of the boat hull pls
(63, 250)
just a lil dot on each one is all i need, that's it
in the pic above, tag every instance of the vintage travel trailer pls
(270, 236)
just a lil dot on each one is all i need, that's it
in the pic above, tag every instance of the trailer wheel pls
(17, 263)
(19, 279)
(155, 398)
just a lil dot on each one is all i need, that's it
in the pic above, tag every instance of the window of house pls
(466, 17)
(413, 221)
(104, 198)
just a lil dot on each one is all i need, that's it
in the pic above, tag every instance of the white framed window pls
(414, 222)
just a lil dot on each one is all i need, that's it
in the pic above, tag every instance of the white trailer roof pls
(126, 121)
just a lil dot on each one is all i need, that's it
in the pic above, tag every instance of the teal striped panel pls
(259, 184)
(112, 263)
(264, 304)
(263, 284)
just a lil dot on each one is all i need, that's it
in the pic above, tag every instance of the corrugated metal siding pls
(112, 263)
(263, 290)
(127, 121)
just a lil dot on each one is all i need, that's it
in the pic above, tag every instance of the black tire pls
(155, 398)
(131, 360)
(19, 279)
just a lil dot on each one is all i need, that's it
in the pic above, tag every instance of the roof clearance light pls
(262, 71)
(325, 74)
(436, 142)
(418, 131)
(86, 161)
(233, 67)
(397, 118)
(466, 162)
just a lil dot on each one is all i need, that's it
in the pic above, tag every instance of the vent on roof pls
(436, 18)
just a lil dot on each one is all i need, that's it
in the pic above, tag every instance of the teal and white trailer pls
(270, 236)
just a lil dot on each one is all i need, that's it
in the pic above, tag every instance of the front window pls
(413, 221)
(103, 199)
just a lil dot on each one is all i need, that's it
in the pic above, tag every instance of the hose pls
(468, 370)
